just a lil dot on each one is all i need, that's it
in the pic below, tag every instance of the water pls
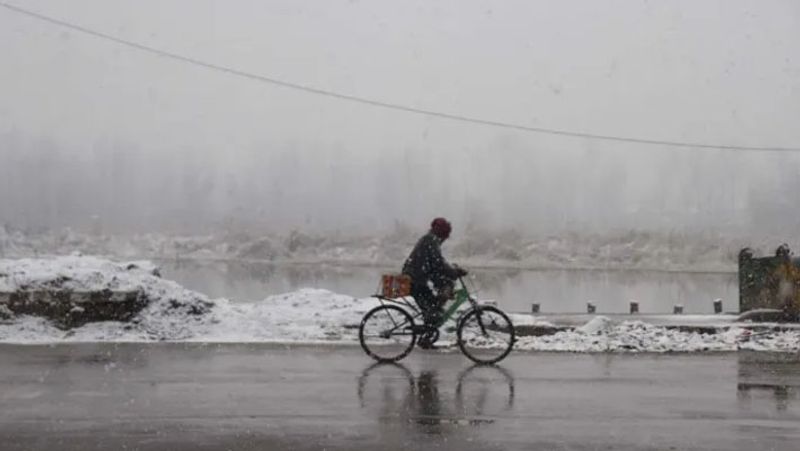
(557, 291)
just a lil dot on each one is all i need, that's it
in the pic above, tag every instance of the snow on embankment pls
(602, 335)
(618, 250)
(170, 310)
(175, 313)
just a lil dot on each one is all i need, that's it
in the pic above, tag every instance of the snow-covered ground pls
(602, 335)
(304, 316)
(619, 250)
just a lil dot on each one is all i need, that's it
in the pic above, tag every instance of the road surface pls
(271, 397)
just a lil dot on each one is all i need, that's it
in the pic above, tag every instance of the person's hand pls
(461, 272)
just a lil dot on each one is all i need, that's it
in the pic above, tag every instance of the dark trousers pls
(429, 302)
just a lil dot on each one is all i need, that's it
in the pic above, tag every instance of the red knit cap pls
(441, 228)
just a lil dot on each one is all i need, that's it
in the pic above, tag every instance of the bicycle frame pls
(473, 319)
(460, 296)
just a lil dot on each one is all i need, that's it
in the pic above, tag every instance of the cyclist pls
(427, 267)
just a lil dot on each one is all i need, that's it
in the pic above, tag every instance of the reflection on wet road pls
(394, 394)
(765, 378)
(249, 397)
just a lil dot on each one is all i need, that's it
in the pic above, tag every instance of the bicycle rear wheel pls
(485, 335)
(387, 333)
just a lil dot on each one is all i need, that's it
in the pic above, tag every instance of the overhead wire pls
(380, 103)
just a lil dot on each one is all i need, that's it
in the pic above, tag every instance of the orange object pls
(396, 285)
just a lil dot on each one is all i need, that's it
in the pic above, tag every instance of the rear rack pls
(404, 301)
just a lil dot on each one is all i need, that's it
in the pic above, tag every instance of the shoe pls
(424, 344)
(427, 339)
(429, 346)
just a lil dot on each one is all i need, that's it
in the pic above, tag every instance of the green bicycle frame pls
(460, 297)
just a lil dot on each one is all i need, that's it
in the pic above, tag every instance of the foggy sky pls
(88, 127)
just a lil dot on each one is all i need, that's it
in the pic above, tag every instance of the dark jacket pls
(427, 263)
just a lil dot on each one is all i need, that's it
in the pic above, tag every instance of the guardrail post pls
(717, 305)
(634, 307)
(534, 308)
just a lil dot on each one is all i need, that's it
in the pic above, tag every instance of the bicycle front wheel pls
(387, 333)
(486, 335)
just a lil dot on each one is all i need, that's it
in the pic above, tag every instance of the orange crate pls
(396, 285)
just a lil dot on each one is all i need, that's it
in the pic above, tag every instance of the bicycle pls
(388, 333)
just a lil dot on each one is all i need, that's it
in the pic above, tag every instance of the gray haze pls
(92, 129)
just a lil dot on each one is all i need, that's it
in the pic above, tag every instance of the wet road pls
(248, 397)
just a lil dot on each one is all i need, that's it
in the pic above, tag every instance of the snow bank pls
(601, 335)
(595, 325)
(620, 250)
(171, 313)
(77, 273)
(305, 316)
(175, 313)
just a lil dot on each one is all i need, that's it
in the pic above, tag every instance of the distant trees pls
(503, 184)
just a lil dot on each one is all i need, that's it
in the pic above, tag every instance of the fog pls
(91, 131)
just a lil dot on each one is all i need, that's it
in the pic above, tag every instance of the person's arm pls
(439, 265)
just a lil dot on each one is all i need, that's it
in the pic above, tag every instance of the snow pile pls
(76, 273)
(308, 315)
(172, 312)
(601, 335)
(175, 313)
(305, 316)
(596, 325)
(524, 319)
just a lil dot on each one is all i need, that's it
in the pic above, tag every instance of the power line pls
(378, 103)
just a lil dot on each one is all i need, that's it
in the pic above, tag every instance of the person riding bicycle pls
(426, 266)
(483, 332)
